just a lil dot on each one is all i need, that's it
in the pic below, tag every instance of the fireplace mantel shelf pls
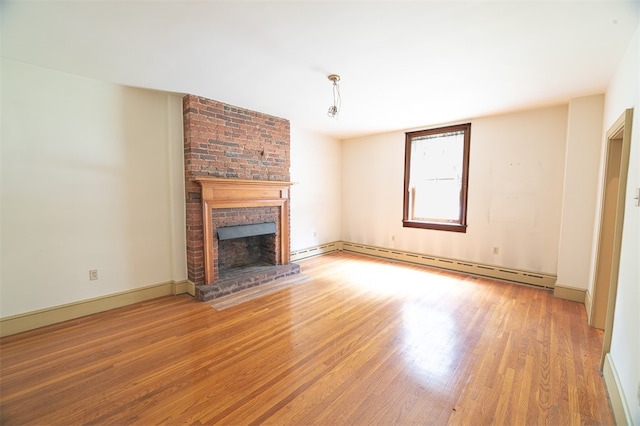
(219, 189)
(242, 182)
(229, 193)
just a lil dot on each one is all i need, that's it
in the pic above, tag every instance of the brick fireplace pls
(236, 173)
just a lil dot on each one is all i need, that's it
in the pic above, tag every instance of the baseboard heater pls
(506, 274)
(536, 279)
(315, 251)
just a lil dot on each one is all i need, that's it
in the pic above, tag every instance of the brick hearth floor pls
(241, 278)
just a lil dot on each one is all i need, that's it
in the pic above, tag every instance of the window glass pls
(436, 164)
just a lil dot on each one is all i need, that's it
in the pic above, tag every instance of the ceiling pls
(402, 64)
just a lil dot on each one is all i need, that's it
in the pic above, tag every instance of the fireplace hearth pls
(237, 279)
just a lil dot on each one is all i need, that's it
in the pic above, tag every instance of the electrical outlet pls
(393, 238)
(93, 274)
(496, 250)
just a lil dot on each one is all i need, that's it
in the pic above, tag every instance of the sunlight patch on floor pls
(431, 341)
(393, 280)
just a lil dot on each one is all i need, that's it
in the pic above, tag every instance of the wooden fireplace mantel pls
(220, 193)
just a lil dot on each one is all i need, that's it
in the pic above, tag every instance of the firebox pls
(242, 246)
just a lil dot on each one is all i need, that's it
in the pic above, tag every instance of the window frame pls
(461, 224)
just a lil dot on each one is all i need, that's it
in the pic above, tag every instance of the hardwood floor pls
(363, 341)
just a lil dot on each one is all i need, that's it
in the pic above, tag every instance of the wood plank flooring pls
(363, 341)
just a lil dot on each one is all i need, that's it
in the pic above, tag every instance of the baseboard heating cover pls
(315, 251)
(498, 272)
(537, 279)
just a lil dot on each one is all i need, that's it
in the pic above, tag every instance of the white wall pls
(91, 179)
(623, 93)
(584, 143)
(316, 195)
(515, 193)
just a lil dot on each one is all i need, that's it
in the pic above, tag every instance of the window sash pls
(436, 168)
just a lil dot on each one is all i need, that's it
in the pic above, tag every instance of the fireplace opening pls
(245, 246)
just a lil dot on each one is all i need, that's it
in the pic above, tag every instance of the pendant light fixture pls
(337, 101)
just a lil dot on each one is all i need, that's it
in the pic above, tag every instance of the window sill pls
(452, 227)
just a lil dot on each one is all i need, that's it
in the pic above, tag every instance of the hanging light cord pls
(337, 100)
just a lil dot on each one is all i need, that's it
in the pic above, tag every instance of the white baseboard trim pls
(478, 269)
(40, 318)
(616, 395)
(569, 293)
(315, 251)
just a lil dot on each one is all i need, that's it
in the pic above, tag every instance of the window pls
(436, 176)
